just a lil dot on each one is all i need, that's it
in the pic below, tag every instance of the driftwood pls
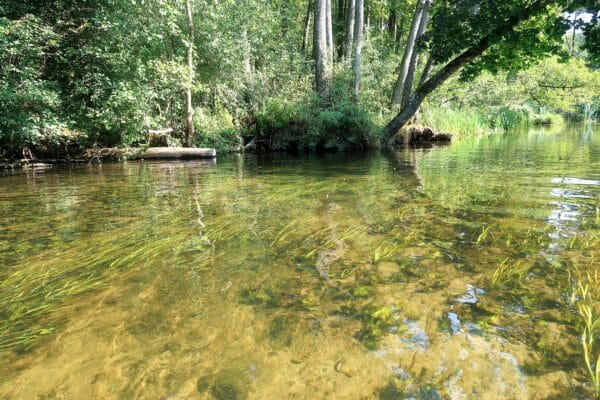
(178, 152)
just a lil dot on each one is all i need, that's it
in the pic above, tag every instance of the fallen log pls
(178, 152)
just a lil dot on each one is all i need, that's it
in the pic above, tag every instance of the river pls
(459, 272)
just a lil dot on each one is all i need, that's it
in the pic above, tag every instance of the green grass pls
(473, 122)
(457, 122)
(507, 118)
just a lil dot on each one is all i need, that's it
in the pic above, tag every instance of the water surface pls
(460, 272)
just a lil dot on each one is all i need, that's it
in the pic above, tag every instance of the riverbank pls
(413, 135)
(91, 156)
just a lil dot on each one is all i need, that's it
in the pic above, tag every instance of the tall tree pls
(349, 37)
(320, 50)
(359, 27)
(412, 67)
(189, 107)
(330, 42)
(408, 52)
(306, 34)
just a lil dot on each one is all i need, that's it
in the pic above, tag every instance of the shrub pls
(546, 119)
(307, 126)
(216, 129)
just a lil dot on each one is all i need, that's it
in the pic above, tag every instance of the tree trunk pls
(349, 30)
(189, 109)
(248, 72)
(322, 71)
(393, 25)
(399, 34)
(358, 26)
(408, 52)
(414, 59)
(426, 70)
(307, 25)
(178, 152)
(341, 10)
(330, 44)
(452, 67)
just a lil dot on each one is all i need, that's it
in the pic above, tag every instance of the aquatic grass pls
(384, 252)
(584, 296)
(485, 232)
(588, 334)
(509, 273)
(284, 233)
(587, 342)
(29, 295)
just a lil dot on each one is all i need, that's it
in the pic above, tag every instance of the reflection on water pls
(427, 274)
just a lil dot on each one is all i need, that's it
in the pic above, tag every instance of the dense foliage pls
(108, 72)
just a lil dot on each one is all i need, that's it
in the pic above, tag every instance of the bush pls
(30, 107)
(216, 129)
(546, 119)
(307, 126)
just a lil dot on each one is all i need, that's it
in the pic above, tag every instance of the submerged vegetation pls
(361, 269)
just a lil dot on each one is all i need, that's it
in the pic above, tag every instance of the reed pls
(508, 118)
(462, 122)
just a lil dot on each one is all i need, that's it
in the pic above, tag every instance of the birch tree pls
(408, 52)
(349, 37)
(322, 67)
(358, 25)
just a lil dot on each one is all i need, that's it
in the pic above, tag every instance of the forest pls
(300, 74)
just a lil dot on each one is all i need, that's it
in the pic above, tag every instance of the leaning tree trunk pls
(322, 70)
(408, 52)
(410, 77)
(407, 112)
(189, 109)
(358, 26)
(349, 40)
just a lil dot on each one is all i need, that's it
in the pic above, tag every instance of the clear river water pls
(461, 272)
